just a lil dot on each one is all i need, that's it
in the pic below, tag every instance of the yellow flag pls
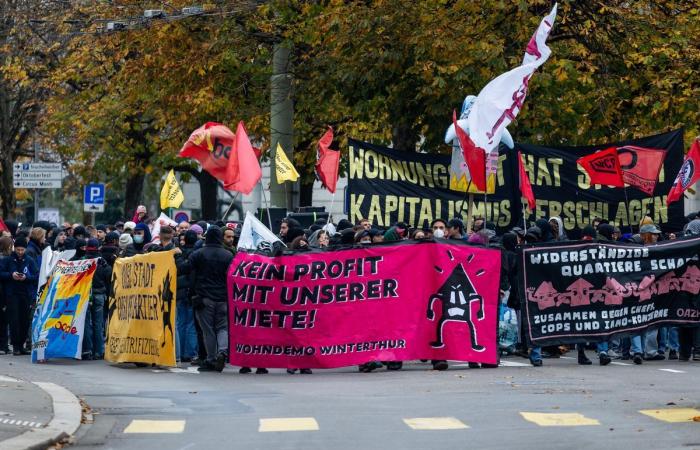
(284, 170)
(171, 195)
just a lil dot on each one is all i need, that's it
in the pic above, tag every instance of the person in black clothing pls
(187, 336)
(5, 252)
(142, 239)
(209, 265)
(19, 274)
(93, 339)
(110, 249)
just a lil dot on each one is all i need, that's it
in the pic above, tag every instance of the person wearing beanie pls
(190, 342)
(80, 245)
(588, 233)
(110, 248)
(129, 227)
(124, 241)
(19, 274)
(101, 232)
(209, 266)
(140, 214)
(93, 336)
(343, 224)
(198, 230)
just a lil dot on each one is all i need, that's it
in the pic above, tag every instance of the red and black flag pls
(603, 167)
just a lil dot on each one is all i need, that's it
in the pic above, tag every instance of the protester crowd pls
(204, 250)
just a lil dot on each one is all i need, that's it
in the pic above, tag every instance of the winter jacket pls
(210, 267)
(109, 253)
(34, 252)
(26, 288)
(102, 279)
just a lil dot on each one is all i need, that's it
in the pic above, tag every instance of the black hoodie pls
(210, 266)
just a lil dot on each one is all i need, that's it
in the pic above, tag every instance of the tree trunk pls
(403, 137)
(7, 191)
(306, 191)
(208, 191)
(133, 193)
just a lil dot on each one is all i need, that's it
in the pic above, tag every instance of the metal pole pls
(281, 120)
(36, 191)
(228, 210)
(267, 205)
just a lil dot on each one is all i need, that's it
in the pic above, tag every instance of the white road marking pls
(620, 364)
(9, 379)
(672, 370)
(513, 364)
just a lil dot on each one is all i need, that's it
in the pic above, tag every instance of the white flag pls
(49, 259)
(502, 99)
(254, 232)
(159, 222)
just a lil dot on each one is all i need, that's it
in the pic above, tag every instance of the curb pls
(67, 414)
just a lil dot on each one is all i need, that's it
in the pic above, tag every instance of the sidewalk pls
(34, 415)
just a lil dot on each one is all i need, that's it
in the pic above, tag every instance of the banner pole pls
(228, 210)
(627, 205)
(267, 205)
(330, 209)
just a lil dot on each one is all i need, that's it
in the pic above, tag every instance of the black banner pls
(386, 186)
(586, 292)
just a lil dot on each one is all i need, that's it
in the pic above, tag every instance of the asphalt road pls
(574, 407)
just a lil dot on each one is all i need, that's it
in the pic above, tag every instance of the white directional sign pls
(37, 175)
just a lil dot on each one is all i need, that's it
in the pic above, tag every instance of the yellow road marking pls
(288, 424)
(435, 423)
(558, 419)
(672, 414)
(155, 426)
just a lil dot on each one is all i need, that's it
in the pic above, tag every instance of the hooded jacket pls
(19, 289)
(209, 265)
(139, 249)
(561, 236)
(102, 279)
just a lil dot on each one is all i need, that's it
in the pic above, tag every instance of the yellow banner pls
(284, 170)
(141, 311)
(171, 195)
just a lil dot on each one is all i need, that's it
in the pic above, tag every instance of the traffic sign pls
(37, 175)
(94, 198)
(36, 184)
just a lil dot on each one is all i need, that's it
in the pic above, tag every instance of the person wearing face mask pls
(141, 240)
(438, 226)
(19, 274)
(363, 237)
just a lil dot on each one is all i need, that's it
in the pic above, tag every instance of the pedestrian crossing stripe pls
(288, 424)
(558, 419)
(155, 426)
(672, 415)
(435, 423)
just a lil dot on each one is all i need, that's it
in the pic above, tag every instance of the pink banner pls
(393, 302)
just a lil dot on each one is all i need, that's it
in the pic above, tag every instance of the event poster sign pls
(59, 319)
(141, 312)
(587, 292)
(388, 186)
(391, 302)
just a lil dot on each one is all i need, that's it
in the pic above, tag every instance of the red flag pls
(211, 145)
(525, 186)
(641, 166)
(688, 175)
(474, 157)
(327, 162)
(3, 227)
(603, 167)
(243, 170)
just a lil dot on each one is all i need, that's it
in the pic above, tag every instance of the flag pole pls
(230, 206)
(330, 209)
(267, 205)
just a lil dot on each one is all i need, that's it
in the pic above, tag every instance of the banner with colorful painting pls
(141, 311)
(390, 302)
(59, 319)
(588, 292)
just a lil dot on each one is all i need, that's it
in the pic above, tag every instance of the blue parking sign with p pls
(95, 194)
